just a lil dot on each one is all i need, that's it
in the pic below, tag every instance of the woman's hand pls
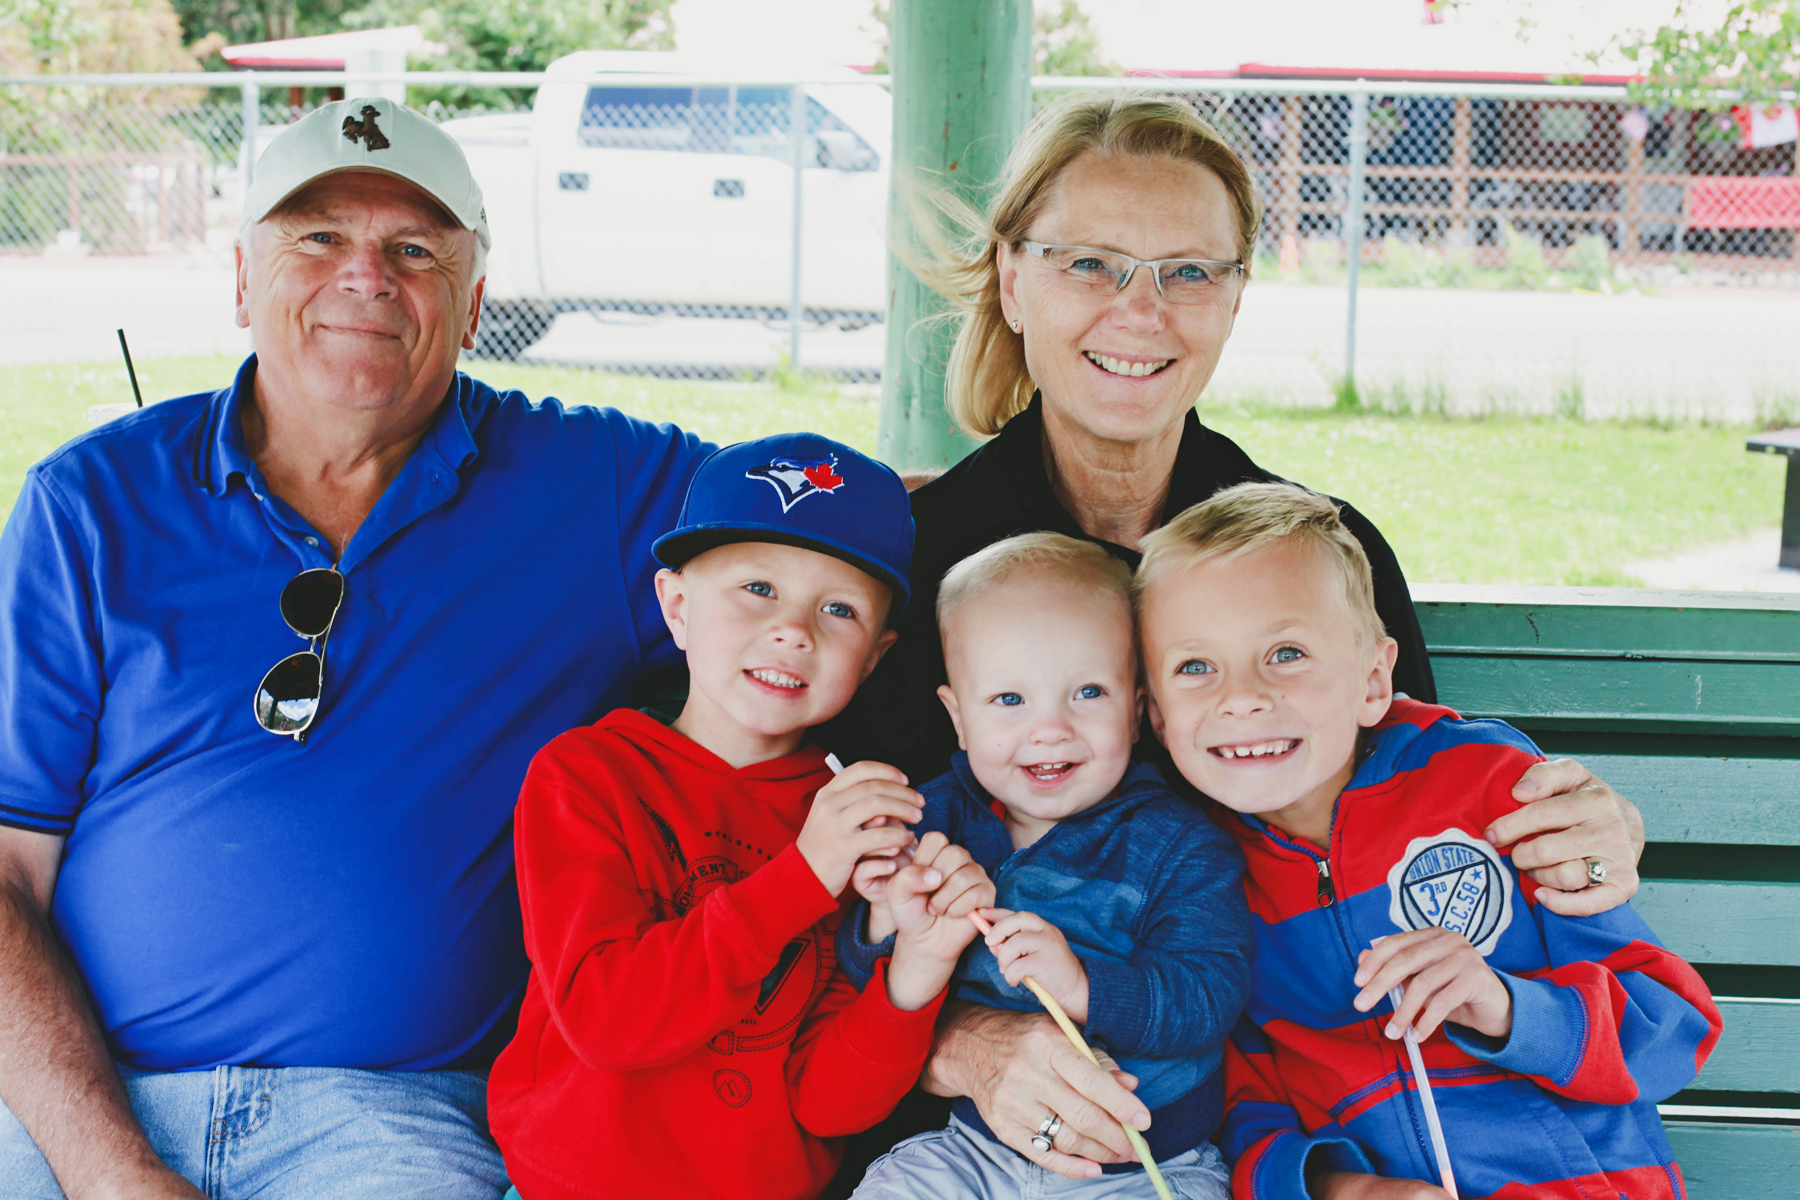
(1018, 1068)
(1568, 818)
(1025, 944)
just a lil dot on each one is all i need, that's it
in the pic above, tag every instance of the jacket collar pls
(1205, 462)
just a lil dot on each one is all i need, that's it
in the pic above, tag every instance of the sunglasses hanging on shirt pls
(287, 699)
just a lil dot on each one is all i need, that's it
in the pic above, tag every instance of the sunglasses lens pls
(288, 696)
(310, 600)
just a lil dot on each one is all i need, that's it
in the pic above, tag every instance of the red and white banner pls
(1734, 202)
(1766, 124)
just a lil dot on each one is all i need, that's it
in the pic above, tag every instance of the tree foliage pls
(1754, 51)
(85, 36)
(482, 35)
(1065, 42)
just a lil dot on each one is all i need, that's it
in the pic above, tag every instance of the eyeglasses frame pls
(1038, 250)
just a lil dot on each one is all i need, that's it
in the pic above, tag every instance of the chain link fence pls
(678, 228)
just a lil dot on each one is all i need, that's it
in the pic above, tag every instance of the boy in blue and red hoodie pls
(1548, 1039)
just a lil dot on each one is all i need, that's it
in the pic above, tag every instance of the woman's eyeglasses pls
(287, 699)
(1107, 272)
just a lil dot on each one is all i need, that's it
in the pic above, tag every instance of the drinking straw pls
(1080, 1043)
(1423, 1082)
(130, 370)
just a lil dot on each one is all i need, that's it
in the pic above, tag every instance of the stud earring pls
(1015, 326)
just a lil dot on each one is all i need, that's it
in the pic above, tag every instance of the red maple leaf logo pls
(824, 478)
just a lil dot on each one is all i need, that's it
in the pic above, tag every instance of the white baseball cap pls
(368, 134)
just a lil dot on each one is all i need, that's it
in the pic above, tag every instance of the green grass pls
(1495, 500)
(1523, 499)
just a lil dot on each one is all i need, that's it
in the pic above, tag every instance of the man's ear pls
(243, 282)
(949, 699)
(468, 338)
(671, 597)
(1380, 695)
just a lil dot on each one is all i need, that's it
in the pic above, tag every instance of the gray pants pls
(960, 1164)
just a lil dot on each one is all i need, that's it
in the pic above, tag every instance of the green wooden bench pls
(1689, 704)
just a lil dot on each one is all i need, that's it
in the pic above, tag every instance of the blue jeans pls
(299, 1132)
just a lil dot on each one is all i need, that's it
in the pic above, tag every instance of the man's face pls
(357, 292)
(1043, 692)
(777, 640)
(1259, 680)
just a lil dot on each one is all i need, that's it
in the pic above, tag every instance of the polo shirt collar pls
(222, 454)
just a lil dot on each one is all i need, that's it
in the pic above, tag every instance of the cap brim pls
(673, 550)
(476, 228)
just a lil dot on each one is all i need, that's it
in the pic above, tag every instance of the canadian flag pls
(1766, 124)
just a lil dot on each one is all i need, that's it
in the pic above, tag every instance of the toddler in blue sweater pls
(1117, 896)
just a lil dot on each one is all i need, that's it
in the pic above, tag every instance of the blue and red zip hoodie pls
(1606, 1022)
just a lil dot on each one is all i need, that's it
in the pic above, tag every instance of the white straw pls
(1423, 1082)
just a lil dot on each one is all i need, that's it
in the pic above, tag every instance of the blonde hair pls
(1251, 516)
(1077, 563)
(987, 382)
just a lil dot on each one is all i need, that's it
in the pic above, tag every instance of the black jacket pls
(1001, 489)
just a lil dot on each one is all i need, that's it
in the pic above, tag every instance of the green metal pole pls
(962, 95)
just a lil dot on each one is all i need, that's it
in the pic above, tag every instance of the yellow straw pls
(1080, 1043)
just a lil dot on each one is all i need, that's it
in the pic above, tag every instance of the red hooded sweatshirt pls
(684, 1031)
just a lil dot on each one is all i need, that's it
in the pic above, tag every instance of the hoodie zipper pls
(1327, 897)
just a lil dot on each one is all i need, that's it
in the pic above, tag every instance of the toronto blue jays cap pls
(799, 489)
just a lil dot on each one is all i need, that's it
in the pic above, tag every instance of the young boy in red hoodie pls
(684, 1031)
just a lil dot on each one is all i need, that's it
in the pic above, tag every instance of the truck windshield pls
(748, 120)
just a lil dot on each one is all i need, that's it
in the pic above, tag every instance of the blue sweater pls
(1148, 892)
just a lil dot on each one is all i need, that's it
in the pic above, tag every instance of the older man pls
(258, 929)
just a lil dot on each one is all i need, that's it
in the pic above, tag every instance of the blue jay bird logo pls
(794, 479)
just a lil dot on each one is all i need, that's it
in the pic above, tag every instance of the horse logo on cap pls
(365, 129)
(794, 479)
(1455, 881)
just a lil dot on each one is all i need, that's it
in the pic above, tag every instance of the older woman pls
(1099, 299)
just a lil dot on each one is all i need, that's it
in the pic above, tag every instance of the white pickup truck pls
(663, 192)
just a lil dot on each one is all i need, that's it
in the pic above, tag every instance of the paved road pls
(1724, 353)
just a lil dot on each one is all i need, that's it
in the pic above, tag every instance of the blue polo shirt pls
(236, 897)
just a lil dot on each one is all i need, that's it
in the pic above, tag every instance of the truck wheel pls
(509, 328)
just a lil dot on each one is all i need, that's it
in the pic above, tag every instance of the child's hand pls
(930, 900)
(1348, 1185)
(1026, 944)
(870, 881)
(870, 878)
(842, 826)
(1446, 979)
